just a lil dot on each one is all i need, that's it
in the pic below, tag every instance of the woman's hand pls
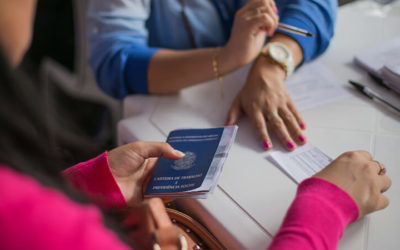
(251, 25)
(266, 101)
(132, 163)
(362, 178)
(148, 222)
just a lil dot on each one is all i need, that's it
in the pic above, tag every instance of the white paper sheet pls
(383, 61)
(314, 85)
(302, 163)
(374, 59)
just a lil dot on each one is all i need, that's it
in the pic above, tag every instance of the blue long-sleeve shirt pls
(124, 34)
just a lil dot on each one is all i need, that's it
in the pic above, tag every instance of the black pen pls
(378, 80)
(371, 95)
(295, 30)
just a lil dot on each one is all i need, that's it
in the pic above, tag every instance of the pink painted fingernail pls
(267, 145)
(276, 9)
(302, 126)
(302, 138)
(290, 145)
(227, 122)
(179, 153)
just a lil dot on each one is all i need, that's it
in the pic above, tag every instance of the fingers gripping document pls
(302, 163)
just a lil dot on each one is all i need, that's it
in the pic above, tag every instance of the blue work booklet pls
(197, 173)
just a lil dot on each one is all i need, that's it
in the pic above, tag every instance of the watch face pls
(279, 53)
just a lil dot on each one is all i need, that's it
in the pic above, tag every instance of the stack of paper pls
(383, 61)
(391, 74)
(197, 173)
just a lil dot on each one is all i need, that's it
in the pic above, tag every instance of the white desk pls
(247, 208)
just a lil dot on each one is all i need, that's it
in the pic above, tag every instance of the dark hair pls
(27, 141)
(25, 138)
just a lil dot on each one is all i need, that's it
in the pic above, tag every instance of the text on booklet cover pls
(201, 148)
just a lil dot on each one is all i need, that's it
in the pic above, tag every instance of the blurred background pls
(57, 61)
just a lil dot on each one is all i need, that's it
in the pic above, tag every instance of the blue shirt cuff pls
(136, 69)
(307, 44)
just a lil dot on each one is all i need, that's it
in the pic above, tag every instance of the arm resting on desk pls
(123, 61)
(317, 217)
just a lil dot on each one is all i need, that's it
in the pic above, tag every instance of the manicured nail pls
(267, 145)
(276, 9)
(227, 122)
(179, 153)
(290, 145)
(302, 126)
(302, 138)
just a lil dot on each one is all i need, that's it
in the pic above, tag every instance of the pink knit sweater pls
(36, 217)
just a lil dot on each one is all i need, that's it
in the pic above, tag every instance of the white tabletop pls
(248, 206)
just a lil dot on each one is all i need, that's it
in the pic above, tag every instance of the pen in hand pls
(370, 94)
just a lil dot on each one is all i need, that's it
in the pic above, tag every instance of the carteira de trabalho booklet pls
(197, 173)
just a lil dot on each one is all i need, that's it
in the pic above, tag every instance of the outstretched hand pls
(266, 101)
(132, 163)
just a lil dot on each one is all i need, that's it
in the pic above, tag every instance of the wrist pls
(125, 184)
(228, 60)
(292, 44)
(267, 67)
(281, 55)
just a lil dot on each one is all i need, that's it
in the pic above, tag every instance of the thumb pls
(234, 113)
(156, 149)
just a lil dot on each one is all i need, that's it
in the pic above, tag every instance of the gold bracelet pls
(216, 69)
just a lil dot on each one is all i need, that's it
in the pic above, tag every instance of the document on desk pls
(302, 163)
(375, 58)
(383, 61)
(314, 85)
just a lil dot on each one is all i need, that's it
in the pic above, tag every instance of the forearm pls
(317, 217)
(170, 70)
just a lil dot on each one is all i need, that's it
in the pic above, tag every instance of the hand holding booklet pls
(197, 173)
